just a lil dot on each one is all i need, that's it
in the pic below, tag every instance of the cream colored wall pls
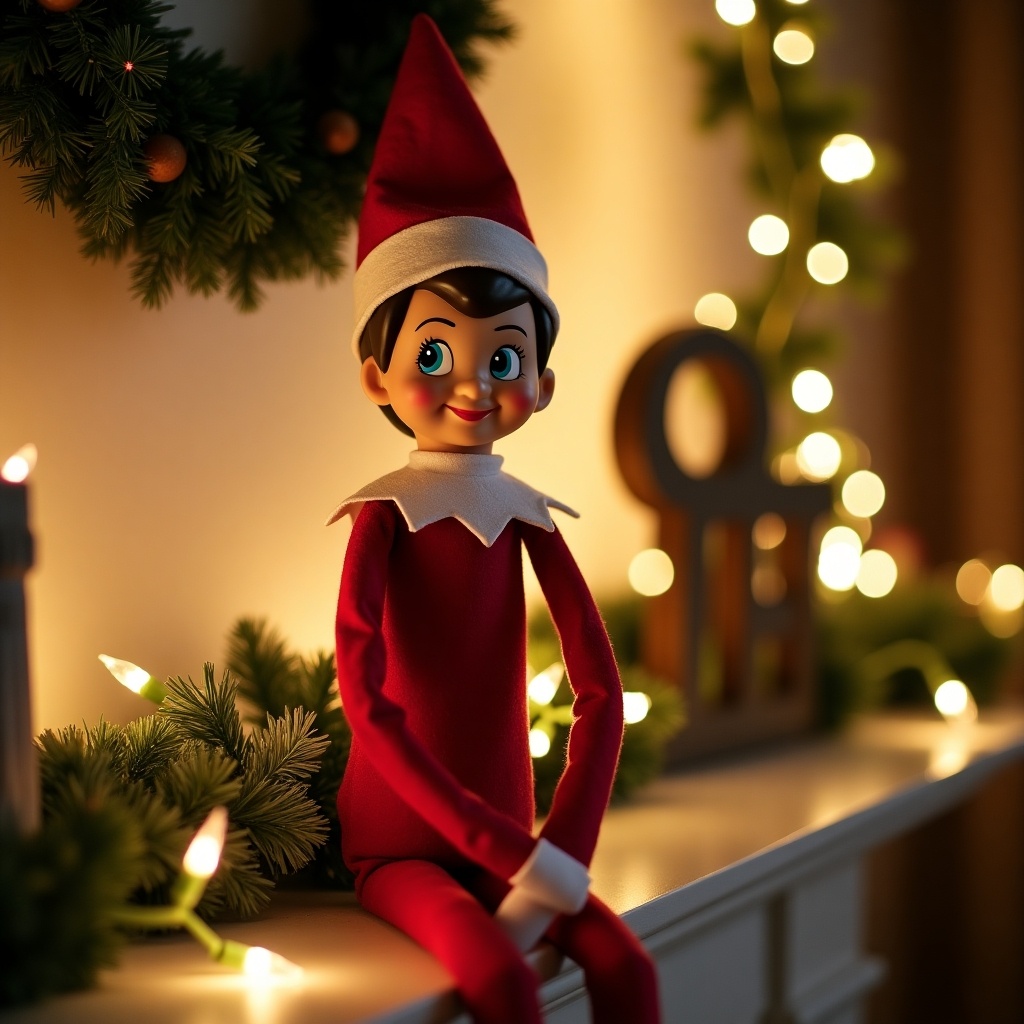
(189, 457)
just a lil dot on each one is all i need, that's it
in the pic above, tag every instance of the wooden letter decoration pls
(734, 630)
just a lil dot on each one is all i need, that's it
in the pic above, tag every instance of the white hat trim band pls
(424, 250)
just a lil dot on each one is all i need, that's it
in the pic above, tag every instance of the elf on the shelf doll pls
(454, 326)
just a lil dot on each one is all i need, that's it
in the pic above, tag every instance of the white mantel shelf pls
(741, 877)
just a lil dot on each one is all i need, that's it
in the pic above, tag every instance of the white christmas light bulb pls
(635, 706)
(847, 158)
(544, 685)
(203, 853)
(736, 12)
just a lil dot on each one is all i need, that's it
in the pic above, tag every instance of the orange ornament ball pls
(58, 6)
(165, 157)
(338, 131)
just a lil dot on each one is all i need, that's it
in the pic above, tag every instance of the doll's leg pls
(425, 902)
(621, 978)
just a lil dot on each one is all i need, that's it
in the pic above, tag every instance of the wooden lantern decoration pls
(742, 653)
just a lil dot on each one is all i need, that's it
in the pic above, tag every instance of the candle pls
(19, 776)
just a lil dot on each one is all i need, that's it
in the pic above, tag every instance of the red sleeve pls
(596, 734)
(481, 833)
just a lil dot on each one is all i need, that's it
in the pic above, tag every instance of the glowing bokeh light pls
(768, 234)
(651, 572)
(954, 701)
(827, 263)
(540, 743)
(635, 706)
(542, 687)
(793, 45)
(17, 468)
(972, 580)
(839, 560)
(260, 964)
(847, 158)
(863, 493)
(819, 456)
(736, 12)
(1006, 590)
(812, 391)
(768, 585)
(877, 573)
(769, 531)
(715, 310)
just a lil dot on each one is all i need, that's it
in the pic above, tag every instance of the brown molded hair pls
(478, 292)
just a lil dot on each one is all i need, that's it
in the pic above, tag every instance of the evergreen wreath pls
(205, 175)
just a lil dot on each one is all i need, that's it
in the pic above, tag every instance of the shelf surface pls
(685, 842)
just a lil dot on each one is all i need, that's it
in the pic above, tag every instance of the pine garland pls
(260, 196)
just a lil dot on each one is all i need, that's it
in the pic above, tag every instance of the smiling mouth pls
(473, 415)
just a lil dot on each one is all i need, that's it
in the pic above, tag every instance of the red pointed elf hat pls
(439, 194)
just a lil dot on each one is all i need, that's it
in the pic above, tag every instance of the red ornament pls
(165, 157)
(58, 6)
(338, 131)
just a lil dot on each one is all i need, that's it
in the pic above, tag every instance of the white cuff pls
(551, 877)
(523, 919)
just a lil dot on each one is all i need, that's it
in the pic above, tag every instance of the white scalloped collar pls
(469, 488)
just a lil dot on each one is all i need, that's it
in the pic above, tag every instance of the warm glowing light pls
(954, 701)
(827, 263)
(972, 581)
(635, 706)
(736, 12)
(543, 686)
(17, 468)
(651, 572)
(839, 560)
(863, 493)
(203, 853)
(818, 455)
(1006, 591)
(769, 531)
(715, 310)
(786, 468)
(847, 158)
(540, 742)
(812, 390)
(793, 45)
(127, 674)
(768, 234)
(260, 963)
(877, 573)
(768, 585)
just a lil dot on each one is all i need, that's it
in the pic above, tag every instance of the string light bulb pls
(201, 860)
(819, 456)
(972, 580)
(651, 572)
(136, 679)
(876, 574)
(18, 466)
(1006, 589)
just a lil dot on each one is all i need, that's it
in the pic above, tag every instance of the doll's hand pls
(523, 919)
(552, 878)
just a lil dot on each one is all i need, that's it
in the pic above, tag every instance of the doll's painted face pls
(458, 382)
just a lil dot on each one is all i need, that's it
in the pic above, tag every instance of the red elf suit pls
(437, 803)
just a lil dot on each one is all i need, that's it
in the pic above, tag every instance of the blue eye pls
(435, 358)
(507, 363)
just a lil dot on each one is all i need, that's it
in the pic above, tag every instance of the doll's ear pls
(546, 384)
(372, 380)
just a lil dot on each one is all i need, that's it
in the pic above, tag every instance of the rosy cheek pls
(522, 402)
(420, 396)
